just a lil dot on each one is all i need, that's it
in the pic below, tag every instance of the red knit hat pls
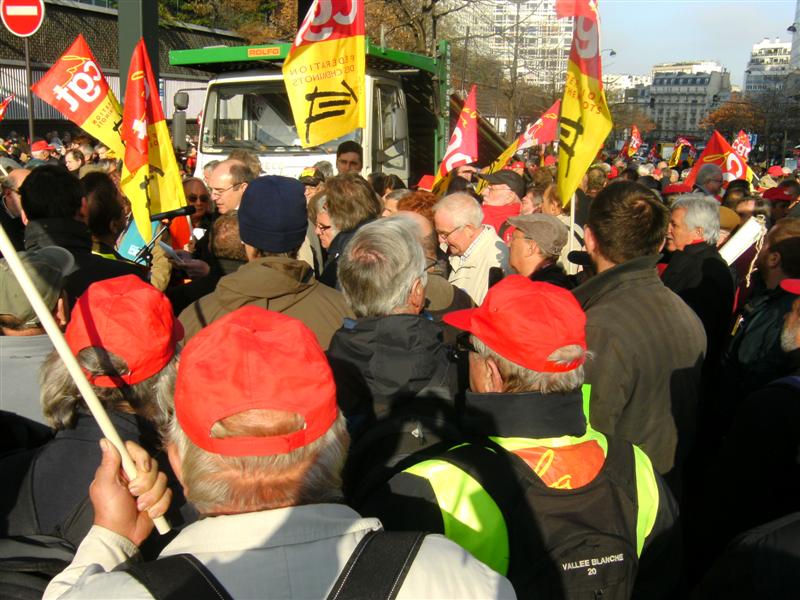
(525, 322)
(254, 359)
(779, 194)
(129, 318)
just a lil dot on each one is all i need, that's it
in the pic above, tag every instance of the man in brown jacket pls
(649, 344)
(272, 225)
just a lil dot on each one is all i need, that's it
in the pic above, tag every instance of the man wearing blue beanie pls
(272, 226)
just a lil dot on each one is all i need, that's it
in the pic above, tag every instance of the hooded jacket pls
(283, 285)
(380, 363)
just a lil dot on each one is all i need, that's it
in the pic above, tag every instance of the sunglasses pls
(196, 197)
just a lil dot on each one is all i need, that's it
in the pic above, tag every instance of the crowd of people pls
(342, 387)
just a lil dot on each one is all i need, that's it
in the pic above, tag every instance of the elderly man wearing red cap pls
(124, 335)
(258, 442)
(526, 414)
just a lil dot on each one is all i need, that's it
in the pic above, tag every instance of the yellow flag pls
(325, 72)
(150, 176)
(585, 119)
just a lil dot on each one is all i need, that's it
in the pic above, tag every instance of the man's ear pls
(773, 259)
(589, 240)
(416, 298)
(496, 383)
(22, 215)
(83, 212)
(61, 313)
(175, 462)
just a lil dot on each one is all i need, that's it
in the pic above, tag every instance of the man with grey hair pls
(473, 248)
(697, 272)
(528, 430)
(708, 180)
(390, 358)
(258, 443)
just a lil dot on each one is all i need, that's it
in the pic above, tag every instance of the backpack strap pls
(177, 577)
(378, 566)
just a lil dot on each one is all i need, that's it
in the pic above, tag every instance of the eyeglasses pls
(323, 228)
(220, 191)
(196, 197)
(464, 342)
(446, 235)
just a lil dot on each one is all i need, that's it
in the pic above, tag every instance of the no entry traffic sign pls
(22, 17)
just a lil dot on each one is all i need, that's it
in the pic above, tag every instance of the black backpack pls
(376, 569)
(563, 543)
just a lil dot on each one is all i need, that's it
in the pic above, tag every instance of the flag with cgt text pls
(584, 119)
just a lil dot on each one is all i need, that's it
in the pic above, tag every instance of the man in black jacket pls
(697, 272)
(646, 381)
(56, 211)
(389, 364)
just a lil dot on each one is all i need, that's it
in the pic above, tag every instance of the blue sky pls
(646, 32)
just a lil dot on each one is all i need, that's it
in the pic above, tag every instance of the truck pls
(408, 106)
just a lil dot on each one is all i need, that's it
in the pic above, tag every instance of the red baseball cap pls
(130, 318)
(775, 171)
(791, 285)
(254, 359)
(425, 183)
(525, 322)
(41, 145)
(779, 194)
(677, 188)
(549, 161)
(613, 172)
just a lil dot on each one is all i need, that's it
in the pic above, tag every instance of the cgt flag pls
(4, 105)
(543, 131)
(635, 142)
(585, 119)
(463, 146)
(741, 145)
(719, 152)
(150, 176)
(77, 88)
(325, 72)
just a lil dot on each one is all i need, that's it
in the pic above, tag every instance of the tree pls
(736, 114)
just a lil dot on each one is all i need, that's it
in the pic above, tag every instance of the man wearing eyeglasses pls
(228, 181)
(709, 180)
(473, 247)
(10, 211)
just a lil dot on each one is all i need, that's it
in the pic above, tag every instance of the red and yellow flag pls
(741, 145)
(675, 159)
(585, 119)
(150, 176)
(463, 146)
(635, 141)
(77, 88)
(719, 152)
(325, 72)
(543, 131)
(4, 105)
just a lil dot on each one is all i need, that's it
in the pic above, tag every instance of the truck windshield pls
(255, 116)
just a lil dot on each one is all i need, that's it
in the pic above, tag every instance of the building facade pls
(530, 30)
(769, 64)
(683, 94)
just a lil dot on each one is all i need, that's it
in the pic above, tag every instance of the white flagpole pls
(60, 344)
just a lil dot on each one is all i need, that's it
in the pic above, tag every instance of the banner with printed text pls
(325, 72)
(543, 131)
(77, 88)
(719, 152)
(150, 176)
(741, 145)
(585, 120)
(635, 142)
